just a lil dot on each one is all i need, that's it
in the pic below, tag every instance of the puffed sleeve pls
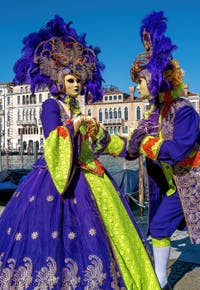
(186, 129)
(58, 151)
(109, 144)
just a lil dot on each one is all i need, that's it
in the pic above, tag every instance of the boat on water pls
(126, 179)
(9, 180)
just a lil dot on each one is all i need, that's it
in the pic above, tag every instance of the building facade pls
(20, 124)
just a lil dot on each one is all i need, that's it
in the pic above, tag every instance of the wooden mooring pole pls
(141, 184)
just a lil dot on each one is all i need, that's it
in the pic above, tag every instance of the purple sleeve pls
(186, 129)
(50, 116)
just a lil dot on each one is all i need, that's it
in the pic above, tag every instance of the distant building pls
(20, 124)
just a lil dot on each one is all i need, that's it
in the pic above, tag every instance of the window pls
(110, 114)
(119, 97)
(115, 97)
(126, 113)
(89, 112)
(23, 100)
(40, 98)
(119, 113)
(18, 115)
(100, 115)
(106, 98)
(126, 129)
(110, 98)
(138, 113)
(115, 113)
(27, 99)
(18, 100)
(106, 113)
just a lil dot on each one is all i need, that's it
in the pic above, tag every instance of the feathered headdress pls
(54, 51)
(157, 58)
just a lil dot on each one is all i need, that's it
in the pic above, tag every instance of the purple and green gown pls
(67, 225)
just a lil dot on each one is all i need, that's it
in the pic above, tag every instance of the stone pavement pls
(184, 263)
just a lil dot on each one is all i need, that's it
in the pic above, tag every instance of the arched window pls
(40, 98)
(119, 113)
(18, 100)
(138, 113)
(110, 114)
(126, 113)
(89, 112)
(106, 113)
(100, 115)
(27, 99)
(115, 113)
(18, 115)
(126, 129)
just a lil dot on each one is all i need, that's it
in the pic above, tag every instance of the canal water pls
(112, 164)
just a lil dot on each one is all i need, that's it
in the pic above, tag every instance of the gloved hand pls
(133, 151)
(80, 120)
(93, 128)
(150, 125)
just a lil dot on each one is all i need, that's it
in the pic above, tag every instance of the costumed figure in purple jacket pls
(167, 137)
(68, 226)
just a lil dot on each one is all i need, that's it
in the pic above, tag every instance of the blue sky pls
(112, 25)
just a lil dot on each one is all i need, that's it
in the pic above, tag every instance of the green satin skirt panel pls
(133, 261)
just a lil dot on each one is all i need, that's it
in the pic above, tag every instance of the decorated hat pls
(57, 50)
(156, 63)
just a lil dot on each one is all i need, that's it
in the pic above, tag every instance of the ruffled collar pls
(71, 103)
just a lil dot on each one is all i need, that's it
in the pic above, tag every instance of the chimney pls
(186, 87)
(131, 90)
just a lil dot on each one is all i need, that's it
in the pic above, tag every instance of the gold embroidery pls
(54, 235)
(71, 236)
(23, 275)
(92, 232)
(32, 198)
(34, 235)
(115, 275)
(46, 277)
(9, 231)
(11, 278)
(18, 236)
(50, 198)
(94, 276)
(69, 277)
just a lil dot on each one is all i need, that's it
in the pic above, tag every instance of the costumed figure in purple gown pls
(68, 226)
(167, 137)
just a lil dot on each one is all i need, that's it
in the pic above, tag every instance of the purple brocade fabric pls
(100, 143)
(150, 125)
(57, 242)
(134, 144)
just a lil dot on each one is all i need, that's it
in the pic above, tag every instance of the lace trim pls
(12, 278)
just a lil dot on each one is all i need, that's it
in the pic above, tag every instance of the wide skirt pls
(52, 241)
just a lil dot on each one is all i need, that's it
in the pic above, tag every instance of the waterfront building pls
(20, 124)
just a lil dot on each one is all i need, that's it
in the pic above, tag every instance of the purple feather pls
(155, 24)
(27, 72)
